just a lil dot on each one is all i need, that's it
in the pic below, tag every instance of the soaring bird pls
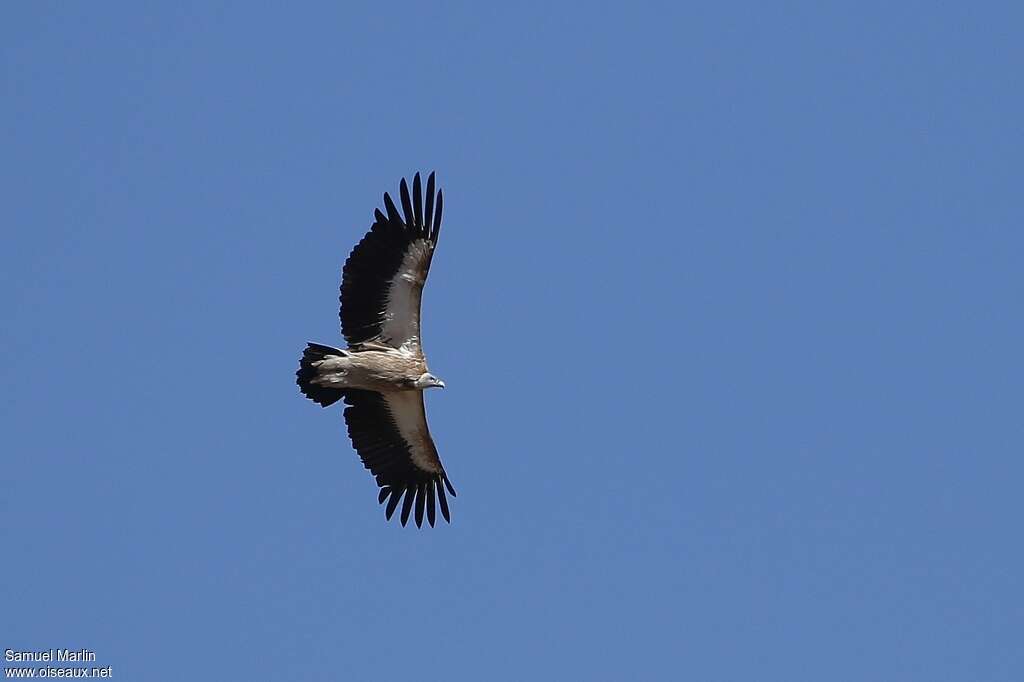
(382, 373)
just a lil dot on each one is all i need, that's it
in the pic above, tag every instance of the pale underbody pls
(372, 370)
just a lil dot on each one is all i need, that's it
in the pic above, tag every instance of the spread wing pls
(382, 281)
(389, 431)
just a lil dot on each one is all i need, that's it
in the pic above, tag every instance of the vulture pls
(382, 373)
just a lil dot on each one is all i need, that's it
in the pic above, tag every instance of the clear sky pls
(727, 300)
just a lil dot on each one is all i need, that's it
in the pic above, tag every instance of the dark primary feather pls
(429, 215)
(410, 492)
(406, 203)
(444, 502)
(430, 504)
(387, 455)
(396, 495)
(376, 259)
(420, 500)
(437, 217)
(393, 216)
(417, 200)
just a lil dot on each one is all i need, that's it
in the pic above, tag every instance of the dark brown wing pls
(382, 281)
(389, 431)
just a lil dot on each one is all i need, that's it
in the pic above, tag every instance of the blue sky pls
(728, 302)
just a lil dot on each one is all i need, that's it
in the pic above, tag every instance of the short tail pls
(308, 371)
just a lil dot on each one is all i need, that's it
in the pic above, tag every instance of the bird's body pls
(371, 370)
(383, 372)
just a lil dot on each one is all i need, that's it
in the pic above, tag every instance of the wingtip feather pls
(431, 511)
(442, 500)
(420, 500)
(393, 217)
(417, 201)
(437, 216)
(403, 190)
(428, 216)
(410, 496)
(392, 504)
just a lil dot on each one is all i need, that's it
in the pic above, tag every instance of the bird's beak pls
(441, 384)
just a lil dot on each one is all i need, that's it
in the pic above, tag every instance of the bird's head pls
(428, 380)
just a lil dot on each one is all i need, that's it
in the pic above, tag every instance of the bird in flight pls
(382, 373)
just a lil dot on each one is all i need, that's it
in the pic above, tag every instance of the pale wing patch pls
(401, 326)
(406, 409)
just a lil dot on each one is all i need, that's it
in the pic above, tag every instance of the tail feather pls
(314, 353)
